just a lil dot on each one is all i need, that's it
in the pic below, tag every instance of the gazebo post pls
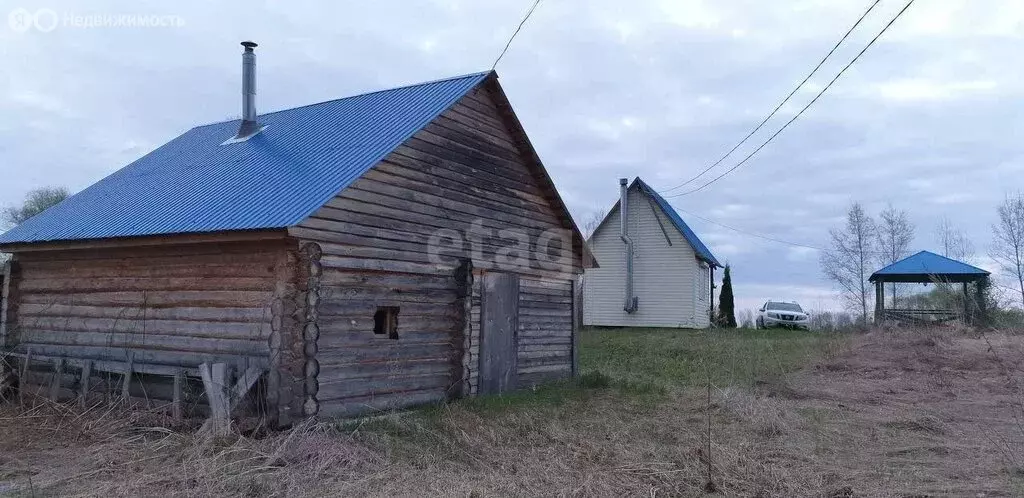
(879, 301)
(981, 317)
(967, 306)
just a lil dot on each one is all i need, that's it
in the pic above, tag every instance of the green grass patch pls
(638, 367)
(431, 429)
(666, 358)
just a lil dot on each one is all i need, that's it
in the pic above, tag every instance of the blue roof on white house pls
(927, 264)
(698, 246)
(275, 179)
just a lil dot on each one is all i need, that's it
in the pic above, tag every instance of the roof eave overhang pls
(711, 263)
(147, 240)
(921, 278)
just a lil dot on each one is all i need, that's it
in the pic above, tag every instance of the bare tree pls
(895, 234)
(955, 244)
(746, 318)
(822, 321)
(36, 202)
(1008, 247)
(592, 221)
(848, 262)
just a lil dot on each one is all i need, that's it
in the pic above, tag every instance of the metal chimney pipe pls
(249, 82)
(631, 301)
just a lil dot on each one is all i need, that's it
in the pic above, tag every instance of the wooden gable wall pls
(464, 167)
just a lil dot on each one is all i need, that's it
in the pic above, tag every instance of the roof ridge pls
(364, 94)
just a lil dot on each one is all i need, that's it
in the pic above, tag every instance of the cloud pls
(735, 210)
(953, 198)
(910, 90)
(802, 254)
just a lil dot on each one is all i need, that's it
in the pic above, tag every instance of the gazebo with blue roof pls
(925, 267)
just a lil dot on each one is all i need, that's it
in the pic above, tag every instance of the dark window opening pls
(385, 321)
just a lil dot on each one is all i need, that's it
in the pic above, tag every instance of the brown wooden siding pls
(545, 330)
(161, 308)
(463, 168)
(361, 371)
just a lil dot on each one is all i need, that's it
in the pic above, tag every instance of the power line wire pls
(809, 104)
(513, 37)
(776, 109)
(765, 237)
(752, 234)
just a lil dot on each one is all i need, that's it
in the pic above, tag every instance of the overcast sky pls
(928, 120)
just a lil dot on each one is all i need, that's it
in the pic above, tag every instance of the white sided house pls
(654, 271)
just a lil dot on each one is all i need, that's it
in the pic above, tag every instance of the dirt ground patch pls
(889, 414)
(920, 413)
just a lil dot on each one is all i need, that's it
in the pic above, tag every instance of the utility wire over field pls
(804, 109)
(776, 110)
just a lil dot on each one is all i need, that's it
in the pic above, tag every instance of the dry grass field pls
(890, 413)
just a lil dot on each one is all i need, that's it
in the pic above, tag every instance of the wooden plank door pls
(499, 332)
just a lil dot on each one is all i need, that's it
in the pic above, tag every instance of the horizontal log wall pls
(160, 309)
(362, 372)
(465, 170)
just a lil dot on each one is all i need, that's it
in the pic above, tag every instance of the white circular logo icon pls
(20, 20)
(46, 20)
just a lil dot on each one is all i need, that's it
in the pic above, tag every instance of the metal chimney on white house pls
(631, 302)
(250, 126)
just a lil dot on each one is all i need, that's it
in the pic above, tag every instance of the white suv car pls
(781, 314)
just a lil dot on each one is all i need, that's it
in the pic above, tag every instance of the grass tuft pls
(593, 380)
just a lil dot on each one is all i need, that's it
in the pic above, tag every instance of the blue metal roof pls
(303, 158)
(928, 264)
(702, 250)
